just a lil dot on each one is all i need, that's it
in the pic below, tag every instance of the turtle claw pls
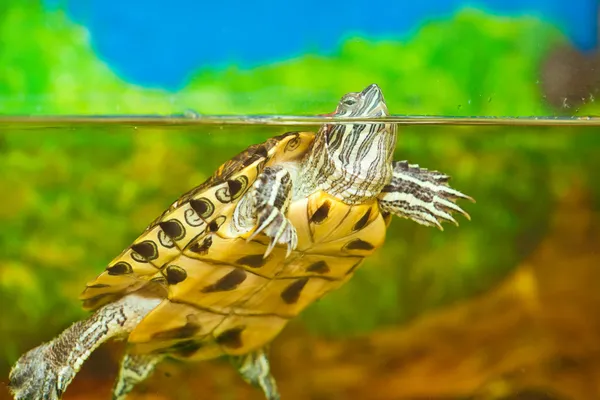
(274, 224)
(36, 375)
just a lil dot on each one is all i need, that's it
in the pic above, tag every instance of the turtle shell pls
(221, 295)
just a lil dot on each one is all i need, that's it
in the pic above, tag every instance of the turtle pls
(227, 265)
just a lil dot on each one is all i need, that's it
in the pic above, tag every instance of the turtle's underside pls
(224, 269)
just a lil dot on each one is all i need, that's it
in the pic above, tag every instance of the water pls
(503, 303)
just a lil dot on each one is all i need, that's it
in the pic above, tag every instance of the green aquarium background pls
(74, 195)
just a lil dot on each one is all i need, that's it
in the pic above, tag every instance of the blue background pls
(160, 43)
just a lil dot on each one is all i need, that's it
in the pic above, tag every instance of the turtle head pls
(366, 104)
(353, 160)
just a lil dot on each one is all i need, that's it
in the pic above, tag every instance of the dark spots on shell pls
(231, 338)
(173, 229)
(354, 267)
(362, 222)
(98, 286)
(147, 249)
(320, 267)
(203, 207)
(216, 223)
(229, 282)
(291, 294)
(183, 332)
(185, 348)
(213, 226)
(202, 248)
(237, 186)
(120, 268)
(322, 212)
(358, 244)
(252, 261)
(175, 274)
(234, 187)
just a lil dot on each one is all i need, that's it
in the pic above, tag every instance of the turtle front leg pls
(46, 371)
(255, 369)
(421, 195)
(265, 207)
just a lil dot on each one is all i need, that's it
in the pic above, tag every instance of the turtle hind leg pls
(47, 370)
(255, 369)
(134, 369)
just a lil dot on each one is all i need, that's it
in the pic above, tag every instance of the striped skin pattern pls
(421, 195)
(352, 161)
(226, 266)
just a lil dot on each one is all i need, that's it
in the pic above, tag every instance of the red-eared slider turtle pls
(227, 265)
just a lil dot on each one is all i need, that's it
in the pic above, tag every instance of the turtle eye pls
(350, 101)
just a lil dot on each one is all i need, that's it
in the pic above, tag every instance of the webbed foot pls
(39, 374)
